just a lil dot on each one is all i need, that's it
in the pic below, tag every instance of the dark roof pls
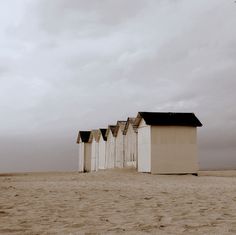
(112, 128)
(94, 134)
(119, 125)
(84, 135)
(168, 119)
(103, 132)
(130, 121)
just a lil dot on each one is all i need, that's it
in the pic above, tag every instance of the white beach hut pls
(102, 143)
(93, 139)
(119, 156)
(111, 146)
(167, 142)
(84, 151)
(131, 143)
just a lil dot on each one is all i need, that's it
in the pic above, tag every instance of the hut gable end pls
(130, 122)
(83, 136)
(112, 129)
(120, 127)
(102, 133)
(94, 135)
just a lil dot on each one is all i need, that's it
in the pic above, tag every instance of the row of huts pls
(154, 142)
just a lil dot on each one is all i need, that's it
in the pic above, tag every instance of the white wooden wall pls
(87, 156)
(111, 150)
(101, 153)
(81, 157)
(94, 155)
(144, 147)
(130, 147)
(119, 159)
(97, 155)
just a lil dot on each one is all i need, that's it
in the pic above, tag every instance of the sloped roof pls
(111, 128)
(94, 134)
(130, 121)
(168, 119)
(119, 125)
(103, 133)
(84, 136)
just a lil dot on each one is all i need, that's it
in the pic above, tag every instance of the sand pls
(116, 202)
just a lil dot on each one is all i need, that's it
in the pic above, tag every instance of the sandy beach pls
(116, 202)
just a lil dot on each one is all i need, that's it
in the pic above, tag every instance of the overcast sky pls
(69, 65)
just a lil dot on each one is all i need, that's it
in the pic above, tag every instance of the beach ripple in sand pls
(116, 202)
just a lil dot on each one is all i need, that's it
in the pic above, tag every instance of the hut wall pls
(81, 157)
(144, 147)
(130, 147)
(111, 151)
(97, 155)
(173, 150)
(87, 156)
(94, 155)
(101, 153)
(119, 156)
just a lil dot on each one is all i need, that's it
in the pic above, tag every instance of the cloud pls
(70, 65)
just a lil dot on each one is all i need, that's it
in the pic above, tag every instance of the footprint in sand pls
(147, 198)
(3, 213)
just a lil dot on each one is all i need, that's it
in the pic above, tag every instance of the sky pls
(77, 65)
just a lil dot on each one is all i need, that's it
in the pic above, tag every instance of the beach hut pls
(102, 142)
(111, 146)
(167, 142)
(131, 143)
(93, 139)
(119, 137)
(84, 151)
